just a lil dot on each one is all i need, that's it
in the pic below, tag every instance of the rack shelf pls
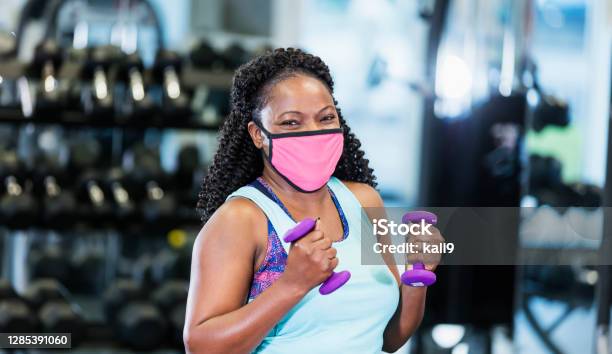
(74, 119)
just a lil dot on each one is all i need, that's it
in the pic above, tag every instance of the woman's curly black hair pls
(237, 161)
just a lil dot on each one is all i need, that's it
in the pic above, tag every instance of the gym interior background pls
(109, 112)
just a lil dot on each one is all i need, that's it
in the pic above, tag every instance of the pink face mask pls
(306, 160)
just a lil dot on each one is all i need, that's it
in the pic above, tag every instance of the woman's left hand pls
(426, 245)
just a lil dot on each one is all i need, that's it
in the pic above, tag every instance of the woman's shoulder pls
(237, 217)
(367, 195)
(239, 208)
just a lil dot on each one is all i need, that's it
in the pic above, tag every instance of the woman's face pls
(298, 103)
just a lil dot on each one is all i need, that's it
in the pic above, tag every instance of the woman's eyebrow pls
(326, 107)
(289, 112)
(299, 113)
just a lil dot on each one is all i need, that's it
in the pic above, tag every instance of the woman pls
(286, 144)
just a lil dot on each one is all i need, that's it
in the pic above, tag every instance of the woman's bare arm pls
(217, 318)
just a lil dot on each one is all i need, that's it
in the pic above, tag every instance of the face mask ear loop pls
(261, 128)
(267, 133)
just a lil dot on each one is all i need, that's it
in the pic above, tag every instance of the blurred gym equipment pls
(147, 182)
(204, 56)
(546, 185)
(50, 262)
(15, 314)
(52, 186)
(175, 100)
(234, 56)
(125, 210)
(98, 94)
(171, 298)
(72, 214)
(45, 68)
(138, 323)
(137, 103)
(18, 207)
(56, 312)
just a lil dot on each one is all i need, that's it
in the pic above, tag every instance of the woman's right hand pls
(310, 262)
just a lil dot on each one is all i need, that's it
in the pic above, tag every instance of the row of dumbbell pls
(40, 188)
(139, 320)
(98, 199)
(115, 85)
(55, 196)
(144, 321)
(83, 269)
(45, 306)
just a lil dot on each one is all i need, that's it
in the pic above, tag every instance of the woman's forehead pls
(299, 93)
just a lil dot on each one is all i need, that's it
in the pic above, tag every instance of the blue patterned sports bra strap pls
(346, 198)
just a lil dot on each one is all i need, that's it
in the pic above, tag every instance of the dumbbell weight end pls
(418, 276)
(300, 230)
(335, 281)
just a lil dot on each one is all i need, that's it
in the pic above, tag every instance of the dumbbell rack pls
(17, 243)
(205, 77)
(71, 120)
(191, 77)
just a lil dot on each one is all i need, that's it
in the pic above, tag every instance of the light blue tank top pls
(353, 318)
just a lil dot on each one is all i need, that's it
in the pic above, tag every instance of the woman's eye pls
(289, 122)
(328, 117)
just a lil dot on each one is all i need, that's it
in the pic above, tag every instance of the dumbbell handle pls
(100, 84)
(121, 196)
(300, 230)
(172, 85)
(13, 188)
(418, 276)
(49, 82)
(52, 188)
(95, 193)
(336, 280)
(136, 84)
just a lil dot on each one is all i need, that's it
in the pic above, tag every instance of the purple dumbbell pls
(419, 276)
(336, 280)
